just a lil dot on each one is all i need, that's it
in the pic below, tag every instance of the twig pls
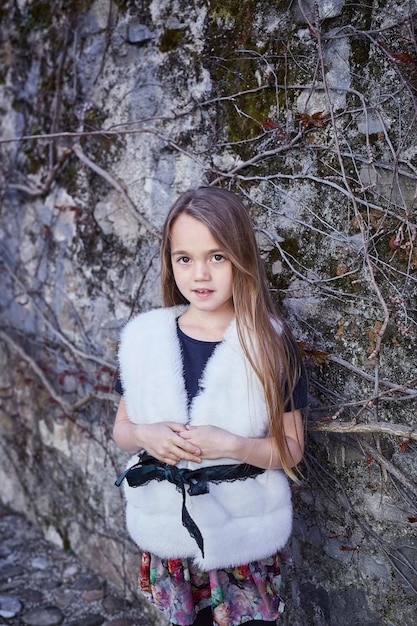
(78, 151)
(256, 159)
(382, 382)
(384, 428)
(73, 349)
(394, 471)
(65, 406)
(44, 189)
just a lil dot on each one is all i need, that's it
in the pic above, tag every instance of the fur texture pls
(240, 521)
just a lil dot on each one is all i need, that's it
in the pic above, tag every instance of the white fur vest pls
(240, 521)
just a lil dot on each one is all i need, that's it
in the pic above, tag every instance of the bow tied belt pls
(197, 481)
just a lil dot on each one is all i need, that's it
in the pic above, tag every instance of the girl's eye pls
(217, 258)
(183, 260)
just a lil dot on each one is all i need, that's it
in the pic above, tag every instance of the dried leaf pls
(269, 124)
(319, 357)
(317, 120)
(403, 57)
(404, 445)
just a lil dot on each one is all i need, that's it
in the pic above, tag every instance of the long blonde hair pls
(265, 338)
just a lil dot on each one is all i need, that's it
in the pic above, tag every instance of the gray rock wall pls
(108, 111)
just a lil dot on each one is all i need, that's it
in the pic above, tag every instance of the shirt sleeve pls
(299, 394)
(118, 387)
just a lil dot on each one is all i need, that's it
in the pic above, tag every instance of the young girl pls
(212, 389)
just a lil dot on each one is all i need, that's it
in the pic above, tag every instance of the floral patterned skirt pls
(237, 594)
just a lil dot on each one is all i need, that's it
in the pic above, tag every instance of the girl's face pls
(202, 271)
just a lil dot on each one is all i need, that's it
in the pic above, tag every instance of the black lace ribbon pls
(194, 482)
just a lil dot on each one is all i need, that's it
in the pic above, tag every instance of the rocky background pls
(110, 109)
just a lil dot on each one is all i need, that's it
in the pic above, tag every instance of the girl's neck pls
(205, 326)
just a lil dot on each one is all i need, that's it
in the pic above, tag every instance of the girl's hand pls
(216, 443)
(163, 441)
(212, 441)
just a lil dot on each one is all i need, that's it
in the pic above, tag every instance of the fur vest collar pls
(240, 521)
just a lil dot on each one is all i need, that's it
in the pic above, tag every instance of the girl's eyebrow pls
(179, 252)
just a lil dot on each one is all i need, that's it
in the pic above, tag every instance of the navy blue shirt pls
(195, 354)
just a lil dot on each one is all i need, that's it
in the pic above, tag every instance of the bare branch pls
(389, 467)
(119, 187)
(382, 382)
(65, 406)
(383, 428)
(52, 174)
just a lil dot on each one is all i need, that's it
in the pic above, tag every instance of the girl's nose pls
(201, 271)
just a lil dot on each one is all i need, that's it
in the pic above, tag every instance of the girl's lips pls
(203, 292)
